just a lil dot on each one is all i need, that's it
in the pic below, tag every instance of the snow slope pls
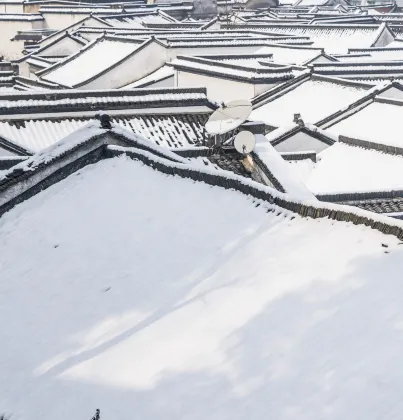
(156, 297)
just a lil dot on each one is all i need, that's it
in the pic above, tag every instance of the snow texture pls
(378, 123)
(281, 170)
(284, 55)
(121, 292)
(337, 39)
(342, 169)
(91, 62)
(313, 99)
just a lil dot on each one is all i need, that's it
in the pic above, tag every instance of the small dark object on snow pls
(105, 121)
(97, 415)
(385, 245)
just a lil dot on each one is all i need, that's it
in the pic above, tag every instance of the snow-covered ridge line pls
(305, 208)
(76, 139)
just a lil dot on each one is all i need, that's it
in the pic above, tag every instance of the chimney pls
(298, 120)
(105, 121)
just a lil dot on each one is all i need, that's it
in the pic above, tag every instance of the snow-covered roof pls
(205, 331)
(20, 17)
(162, 73)
(343, 168)
(381, 121)
(88, 102)
(80, 10)
(315, 98)
(379, 54)
(291, 55)
(264, 74)
(94, 59)
(252, 60)
(169, 130)
(333, 38)
(136, 19)
(362, 69)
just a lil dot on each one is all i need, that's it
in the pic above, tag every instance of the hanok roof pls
(91, 61)
(135, 20)
(343, 168)
(88, 21)
(20, 17)
(168, 117)
(89, 102)
(252, 60)
(333, 38)
(168, 130)
(263, 74)
(379, 54)
(298, 138)
(313, 97)
(380, 121)
(95, 10)
(362, 70)
(292, 54)
(164, 73)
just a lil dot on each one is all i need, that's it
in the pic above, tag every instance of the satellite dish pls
(244, 142)
(228, 117)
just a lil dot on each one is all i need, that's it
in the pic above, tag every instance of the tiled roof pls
(394, 205)
(381, 121)
(307, 99)
(334, 38)
(263, 74)
(172, 131)
(69, 101)
(92, 60)
(361, 70)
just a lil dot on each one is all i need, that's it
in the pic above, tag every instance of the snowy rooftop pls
(379, 122)
(94, 59)
(286, 55)
(333, 38)
(205, 332)
(342, 168)
(237, 71)
(61, 101)
(307, 99)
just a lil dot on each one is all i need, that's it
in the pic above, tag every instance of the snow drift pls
(155, 297)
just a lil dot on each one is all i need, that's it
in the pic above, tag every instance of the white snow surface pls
(280, 169)
(120, 292)
(342, 169)
(313, 99)
(284, 55)
(378, 123)
(91, 62)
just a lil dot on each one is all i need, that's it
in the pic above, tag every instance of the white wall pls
(385, 39)
(173, 52)
(392, 92)
(301, 142)
(12, 49)
(4, 152)
(217, 89)
(64, 47)
(262, 87)
(141, 64)
(12, 8)
(168, 82)
(61, 20)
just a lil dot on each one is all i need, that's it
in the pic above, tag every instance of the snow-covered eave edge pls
(174, 164)
(78, 137)
(308, 207)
